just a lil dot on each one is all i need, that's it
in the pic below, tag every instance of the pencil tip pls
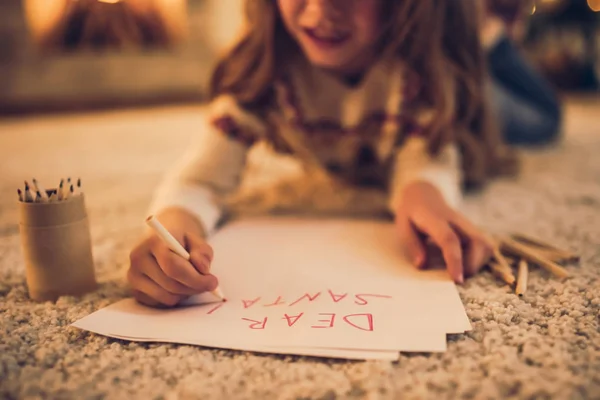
(78, 182)
(19, 191)
(62, 181)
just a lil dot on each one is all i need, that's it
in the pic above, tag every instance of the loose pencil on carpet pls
(518, 249)
(502, 273)
(175, 246)
(551, 251)
(522, 278)
(502, 266)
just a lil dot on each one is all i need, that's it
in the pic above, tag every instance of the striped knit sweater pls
(365, 138)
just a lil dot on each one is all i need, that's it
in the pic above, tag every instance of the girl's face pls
(339, 35)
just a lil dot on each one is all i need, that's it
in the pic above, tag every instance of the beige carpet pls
(544, 345)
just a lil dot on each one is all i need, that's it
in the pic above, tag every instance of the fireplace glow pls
(68, 25)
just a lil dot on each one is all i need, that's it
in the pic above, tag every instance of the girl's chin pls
(335, 65)
(330, 60)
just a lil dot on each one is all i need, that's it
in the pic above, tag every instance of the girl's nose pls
(323, 13)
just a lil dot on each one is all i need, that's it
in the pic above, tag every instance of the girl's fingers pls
(196, 243)
(200, 261)
(479, 246)
(412, 245)
(448, 241)
(468, 230)
(152, 290)
(477, 255)
(145, 299)
(152, 269)
(201, 254)
(182, 271)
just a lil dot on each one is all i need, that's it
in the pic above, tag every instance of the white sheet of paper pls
(227, 325)
(301, 351)
(348, 256)
(308, 287)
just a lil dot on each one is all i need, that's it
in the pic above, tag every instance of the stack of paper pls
(333, 288)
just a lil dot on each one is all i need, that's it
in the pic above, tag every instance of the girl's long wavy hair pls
(437, 38)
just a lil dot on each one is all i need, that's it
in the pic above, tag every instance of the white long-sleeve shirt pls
(367, 137)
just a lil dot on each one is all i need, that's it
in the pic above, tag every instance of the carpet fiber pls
(544, 345)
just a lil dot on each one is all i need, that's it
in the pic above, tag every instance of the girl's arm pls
(425, 195)
(213, 165)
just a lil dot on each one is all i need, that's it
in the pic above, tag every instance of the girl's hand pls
(158, 276)
(423, 212)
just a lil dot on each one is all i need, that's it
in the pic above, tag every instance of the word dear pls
(363, 322)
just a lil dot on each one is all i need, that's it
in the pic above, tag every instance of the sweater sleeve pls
(213, 165)
(413, 162)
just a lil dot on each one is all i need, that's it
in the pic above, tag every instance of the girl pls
(384, 97)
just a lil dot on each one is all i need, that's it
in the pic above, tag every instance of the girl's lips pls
(326, 41)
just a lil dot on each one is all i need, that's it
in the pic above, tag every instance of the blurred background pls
(81, 54)
(73, 54)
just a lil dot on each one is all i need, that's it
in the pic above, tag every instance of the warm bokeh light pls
(41, 15)
(594, 5)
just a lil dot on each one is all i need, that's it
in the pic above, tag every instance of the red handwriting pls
(277, 302)
(250, 303)
(337, 297)
(308, 296)
(256, 324)
(360, 298)
(329, 321)
(294, 317)
(215, 308)
(369, 321)
(363, 322)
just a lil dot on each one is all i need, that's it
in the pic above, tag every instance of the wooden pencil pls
(522, 278)
(28, 196)
(502, 273)
(503, 262)
(554, 256)
(61, 192)
(518, 249)
(68, 193)
(549, 249)
(39, 188)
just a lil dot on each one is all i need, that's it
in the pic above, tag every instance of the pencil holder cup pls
(56, 244)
